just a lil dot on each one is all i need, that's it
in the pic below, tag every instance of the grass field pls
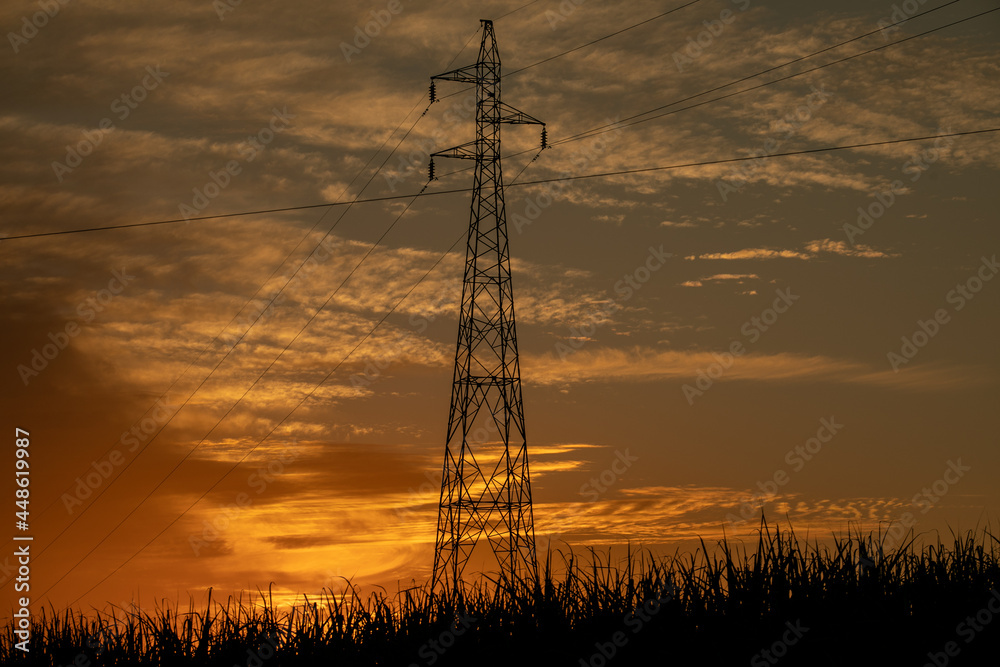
(780, 602)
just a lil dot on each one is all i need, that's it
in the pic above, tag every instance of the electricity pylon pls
(486, 486)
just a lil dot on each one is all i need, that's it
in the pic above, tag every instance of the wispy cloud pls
(650, 365)
(811, 250)
(662, 514)
(842, 248)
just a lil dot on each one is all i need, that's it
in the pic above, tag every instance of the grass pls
(806, 604)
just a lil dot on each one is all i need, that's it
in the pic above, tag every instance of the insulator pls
(430, 171)
(545, 138)
(433, 93)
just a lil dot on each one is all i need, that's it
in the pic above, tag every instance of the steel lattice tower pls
(485, 487)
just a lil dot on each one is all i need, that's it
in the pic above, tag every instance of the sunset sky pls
(632, 291)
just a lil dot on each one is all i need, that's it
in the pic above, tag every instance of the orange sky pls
(756, 361)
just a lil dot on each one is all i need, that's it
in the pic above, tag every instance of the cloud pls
(733, 276)
(753, 253)
(718, 278)
(616, 219)
(646, 514)
(650, 365)
(811, 250)
(841, 248)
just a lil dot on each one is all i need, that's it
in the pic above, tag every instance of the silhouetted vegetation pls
(805, 604)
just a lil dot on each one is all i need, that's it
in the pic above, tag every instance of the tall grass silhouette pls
(844, 603)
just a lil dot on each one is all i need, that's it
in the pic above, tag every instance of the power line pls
(430, 193)
(503, 16)
(215, 217)
(760, 157)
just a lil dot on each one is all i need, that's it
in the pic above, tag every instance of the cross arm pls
(512, 116)
(466, 151)
(467, 74)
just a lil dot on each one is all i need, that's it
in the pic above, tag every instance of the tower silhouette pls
(485, 486)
